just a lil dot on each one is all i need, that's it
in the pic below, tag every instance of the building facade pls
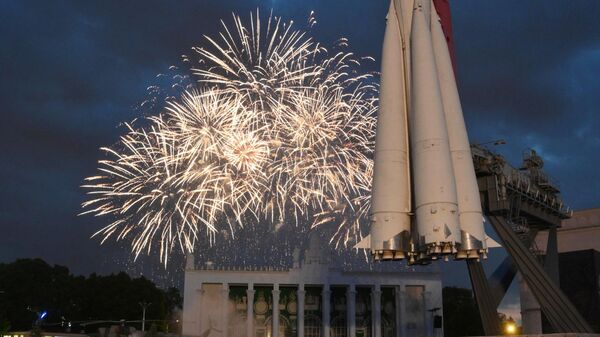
(578, 243)
(580, 232)
(314, 298)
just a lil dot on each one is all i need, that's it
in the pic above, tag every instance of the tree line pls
(31, 288)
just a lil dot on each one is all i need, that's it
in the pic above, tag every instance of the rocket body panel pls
(469, 203)
(425, 6)
(404, 9)
(436, 207)
(391, 201)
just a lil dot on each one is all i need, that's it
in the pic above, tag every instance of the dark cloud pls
(72, 71)
(513, 56)
(527, 74)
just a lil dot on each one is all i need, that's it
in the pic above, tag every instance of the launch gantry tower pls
(519, 203)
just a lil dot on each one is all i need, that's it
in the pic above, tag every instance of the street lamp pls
(435, 319)
(144, 305)
(510, 328)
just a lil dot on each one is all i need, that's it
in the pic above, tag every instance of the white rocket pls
(425, 201)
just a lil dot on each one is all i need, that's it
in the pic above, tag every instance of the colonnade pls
(351, 294)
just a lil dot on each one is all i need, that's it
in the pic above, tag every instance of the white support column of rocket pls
(436, 205)
(469, 203)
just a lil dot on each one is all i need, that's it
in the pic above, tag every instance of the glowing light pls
(510, 328)
(275, 129)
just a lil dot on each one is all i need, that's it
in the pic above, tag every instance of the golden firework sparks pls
(275, 129)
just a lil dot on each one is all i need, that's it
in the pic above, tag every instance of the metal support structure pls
(486, 303)
(560, 312)
(501, 279)
(492, 290)
(519, 203)
(531, 312)
(551, 258)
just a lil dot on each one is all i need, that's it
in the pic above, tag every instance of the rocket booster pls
(425, 199)
(390, 211)
(436, 206)
(469, 202)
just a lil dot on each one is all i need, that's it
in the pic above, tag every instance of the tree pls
(36, 331)
(461, 316)
(153, 332)
(173, 298)
(4, 327)
(28, 285)
(31, 285)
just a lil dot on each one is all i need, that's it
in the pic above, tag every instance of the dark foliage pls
(461, 317)
(30, 286)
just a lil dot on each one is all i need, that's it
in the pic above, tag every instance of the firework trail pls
(270, 128)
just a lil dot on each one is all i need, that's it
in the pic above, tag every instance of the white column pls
(300, 314)
(225, 309)
(376, 310)
(351, 310)
(189, 262)
(250, 311)
(428, 304)
(402, 309)
(397, 316)
(326, 309)
(275, 320)
(201, 308)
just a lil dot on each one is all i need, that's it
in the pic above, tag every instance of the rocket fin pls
(491, 243)
(365, 243)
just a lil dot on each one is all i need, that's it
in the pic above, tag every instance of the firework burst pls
(275, 130)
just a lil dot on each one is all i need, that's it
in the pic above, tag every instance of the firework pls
(274, 130)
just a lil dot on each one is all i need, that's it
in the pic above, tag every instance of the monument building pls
(316, 297)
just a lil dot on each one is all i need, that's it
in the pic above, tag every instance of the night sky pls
(71, 72)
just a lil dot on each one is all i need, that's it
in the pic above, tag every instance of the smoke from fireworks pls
(275, 129)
